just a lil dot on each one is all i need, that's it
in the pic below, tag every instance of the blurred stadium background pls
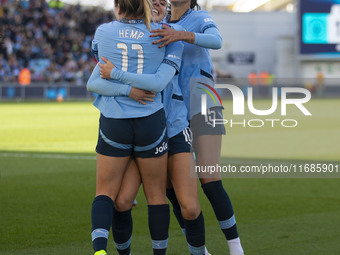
(48, 127)
(281, 42)
(266, 44)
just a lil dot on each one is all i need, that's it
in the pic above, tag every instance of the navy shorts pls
(143, 137)
(181, 142)
(200, 126)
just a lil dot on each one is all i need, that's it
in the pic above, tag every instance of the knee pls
(123, 204)
(156, 200)
(190, 211)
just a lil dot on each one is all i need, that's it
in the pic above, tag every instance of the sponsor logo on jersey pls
(161, 148)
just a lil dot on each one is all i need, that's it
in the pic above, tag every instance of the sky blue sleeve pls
(94, 46)
(158, 81)
(173, 55)
(211, 39)
(106, 87)
(152, 82)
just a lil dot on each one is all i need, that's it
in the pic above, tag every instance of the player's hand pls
(169, 35)
(141, 96)
(105, 69)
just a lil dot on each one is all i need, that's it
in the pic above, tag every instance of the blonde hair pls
(136, 9)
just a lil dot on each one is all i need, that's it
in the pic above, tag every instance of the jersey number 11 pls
(125, 59)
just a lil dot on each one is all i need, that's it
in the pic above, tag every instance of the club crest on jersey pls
(161, 148)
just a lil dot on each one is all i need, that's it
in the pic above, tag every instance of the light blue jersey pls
(174, 106)
(127, 44)
(172, 99)
(196, 61)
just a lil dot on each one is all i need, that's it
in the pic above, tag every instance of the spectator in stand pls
(53, 38)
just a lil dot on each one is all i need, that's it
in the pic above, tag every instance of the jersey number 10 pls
(125, 59)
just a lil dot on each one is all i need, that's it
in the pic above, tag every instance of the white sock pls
(235, 247)
(206, 251)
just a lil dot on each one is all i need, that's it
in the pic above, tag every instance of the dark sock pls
(101, 216)
(159, 220)
(223, 208)
(195, 234)
(170, 193)
(122, 231)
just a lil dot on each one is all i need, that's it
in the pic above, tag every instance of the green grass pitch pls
(47, 183)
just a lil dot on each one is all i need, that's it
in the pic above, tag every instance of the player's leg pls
(110, 172)
(207, 146)
(185, 187)
(176, 208)
(122, 219)
(112, 161)
(153, 172)
(151, 160)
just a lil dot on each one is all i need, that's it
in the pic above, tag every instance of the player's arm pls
(106, 87)
(151, 82)
(94, 45)
(111, 88)
(95, 83)
(210, 38)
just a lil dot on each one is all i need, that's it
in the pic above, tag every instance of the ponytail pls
(147, 7)
(194, 4)
(136, 9)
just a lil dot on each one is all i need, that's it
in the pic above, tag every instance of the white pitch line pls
(47, 156)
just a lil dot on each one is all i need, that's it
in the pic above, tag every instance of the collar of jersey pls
(181, 18)
(132, 21)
